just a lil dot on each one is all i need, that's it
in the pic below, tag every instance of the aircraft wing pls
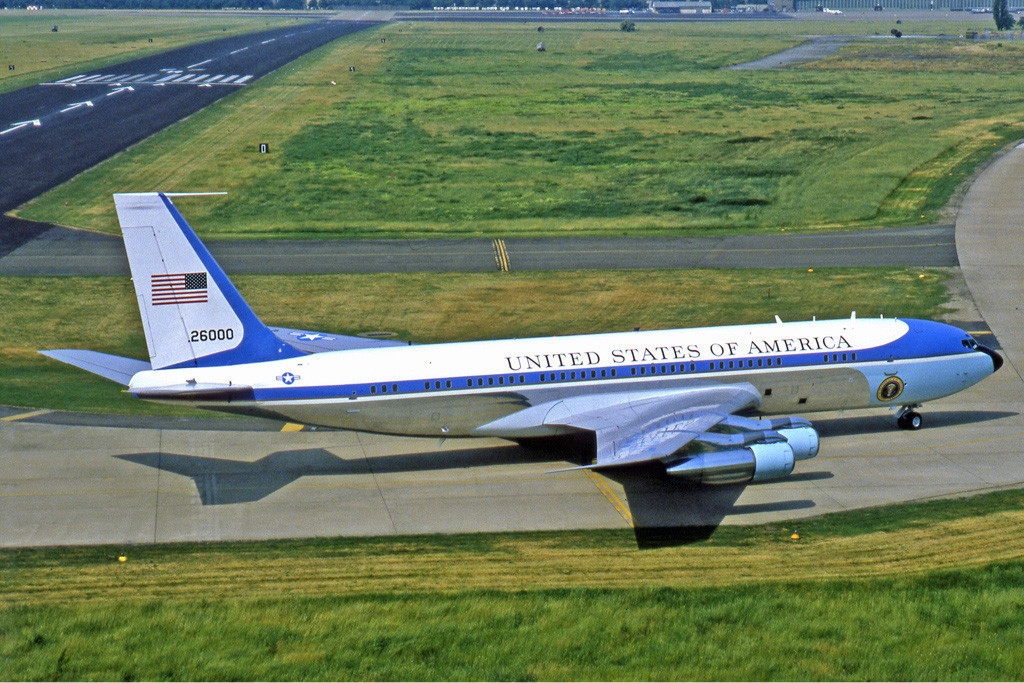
(318, 342)
(636, 427)
(655, 428)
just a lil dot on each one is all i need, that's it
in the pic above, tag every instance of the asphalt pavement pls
(55, 130)
(49, 250)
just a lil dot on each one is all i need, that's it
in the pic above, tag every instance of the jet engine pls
(770, 458)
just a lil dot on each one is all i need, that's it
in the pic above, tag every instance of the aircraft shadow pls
(224, 482)
(665, 511)
(880, 422)
(669, 512)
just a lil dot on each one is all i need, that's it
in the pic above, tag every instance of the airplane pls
(697, 403)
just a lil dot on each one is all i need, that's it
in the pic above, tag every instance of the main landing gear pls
(908, 418)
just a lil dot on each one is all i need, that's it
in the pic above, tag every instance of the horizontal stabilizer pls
(115, 368)
(319, 342)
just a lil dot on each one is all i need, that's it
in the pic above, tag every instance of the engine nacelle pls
(803, 441)
(758, 462)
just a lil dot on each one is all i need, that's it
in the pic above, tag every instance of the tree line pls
(612, 5)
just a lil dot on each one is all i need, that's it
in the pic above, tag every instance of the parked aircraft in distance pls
(689, 399)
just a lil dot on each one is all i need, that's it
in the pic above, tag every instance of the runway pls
(58, 129)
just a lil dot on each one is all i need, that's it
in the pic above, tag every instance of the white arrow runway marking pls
(76, 105)
(20, 125)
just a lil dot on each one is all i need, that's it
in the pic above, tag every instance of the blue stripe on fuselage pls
(923, 339)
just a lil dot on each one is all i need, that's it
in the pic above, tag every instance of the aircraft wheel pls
(910, 420)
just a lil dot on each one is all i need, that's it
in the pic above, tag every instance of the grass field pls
(921, 592)
(87, 40)
(100, 313)
(464, 129)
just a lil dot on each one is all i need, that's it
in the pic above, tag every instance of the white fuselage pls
(458, 388)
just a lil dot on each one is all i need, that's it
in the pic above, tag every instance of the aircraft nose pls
(997, 360)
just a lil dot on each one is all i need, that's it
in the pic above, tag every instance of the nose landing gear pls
(908, 418)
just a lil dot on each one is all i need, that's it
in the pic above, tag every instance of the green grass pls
(88, 40)
(921, 592)
(465, 130)
(948, 626)
(100, 313)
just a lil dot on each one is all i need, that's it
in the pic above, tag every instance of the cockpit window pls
(969, 343)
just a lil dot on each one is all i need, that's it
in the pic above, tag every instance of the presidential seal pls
(890, 389)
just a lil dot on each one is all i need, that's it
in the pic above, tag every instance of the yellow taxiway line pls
(607, 492)
(25, 416)
(501, 255)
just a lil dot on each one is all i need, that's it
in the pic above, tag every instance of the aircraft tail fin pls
(191, 312)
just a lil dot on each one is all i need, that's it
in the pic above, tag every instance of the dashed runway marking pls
(174, 78)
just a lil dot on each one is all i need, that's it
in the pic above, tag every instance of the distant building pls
(681, 6)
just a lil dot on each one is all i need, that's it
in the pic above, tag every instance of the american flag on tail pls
(178, 288)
